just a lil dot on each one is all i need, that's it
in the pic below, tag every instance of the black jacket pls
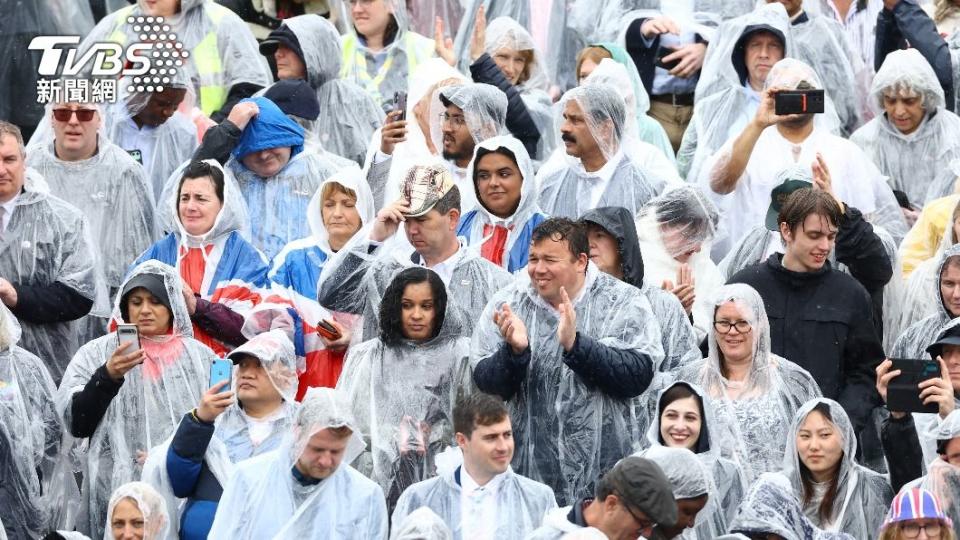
(218, 142)
(901, 446)
(862, 251)
(909, 25)
(519, 122)
(645, 58)
(618, 222)
(88, 406)
(822, 321)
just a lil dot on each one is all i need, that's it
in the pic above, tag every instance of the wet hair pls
(477, 409)
(594, 54)
(682, 390)
(391, 307)
(6, 128)
(201, 169)
(806, 477)
(806, 201)
(340, 432)
(559, 229)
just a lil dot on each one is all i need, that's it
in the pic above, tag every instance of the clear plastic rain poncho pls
(162, 148)
(771, 507)
(520, 502)
(264, 500)
(724, 105)
(506, 33)
(689, 479)
(348, 115)
(223, 51)
(680, 223)
(421, 524)
(927, 423)
(231, 442)
(723, 9)
(403, 397)
(30, 430)
(923, 308)
(278, 204)
(863, 496)
(484, 109)
(566, 432)
(942, 478)
(567, 190)
(422, 100)
(480, 225)
(387, 71)
(156, 517)
(149, 405)
(111, 189)
(753, 414)
(48, 241)
(913, 163)
(659, 161)
(726, 475)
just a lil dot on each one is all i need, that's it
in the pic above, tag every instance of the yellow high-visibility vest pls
(416, 47)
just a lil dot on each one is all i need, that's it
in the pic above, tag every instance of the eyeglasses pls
(457, 121)
(724, 326)
(644, 523)
(912, 530)
(83, 115)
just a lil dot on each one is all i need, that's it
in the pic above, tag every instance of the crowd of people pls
(487, 269)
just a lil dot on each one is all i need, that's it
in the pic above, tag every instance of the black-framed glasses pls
(83, 115)
(643, 522)
(912, 530)
(724, 327)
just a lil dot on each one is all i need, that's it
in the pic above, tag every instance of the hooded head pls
(683, 219)
(164, 283)
(342, 182)
(691, 483)
(275, 353)
(468, 114)
(325, 434)
(760, 47)
(316, 43)
(269, 141)
(906, 89)
(691, 415)
(183, 186)
(734, 305)
(591, 119)
(512, 48)
(948, 283)
(504, 182)
(136, 510)
(616, 222)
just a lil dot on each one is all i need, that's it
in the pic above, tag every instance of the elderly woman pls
(404, 383)
(835, 492)
(755, 391)
(136, 511)
(914, 136)
(340, 208)
(675, 232)
(219, 269)
(685, 419)
(127, 398)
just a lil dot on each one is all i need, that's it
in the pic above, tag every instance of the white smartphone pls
(127, 333)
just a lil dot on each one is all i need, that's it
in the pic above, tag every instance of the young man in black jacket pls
(820, 318)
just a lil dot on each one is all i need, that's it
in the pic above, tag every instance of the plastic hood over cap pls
(269, 129)
(156, 521)
(352, 179)
(484, 108)
(771, 507)
(321, 47)
(275, 352)
(904, 73)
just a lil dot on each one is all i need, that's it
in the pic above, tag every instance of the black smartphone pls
(799, 102)
(400, 104)
(902, 393)
(663, 52)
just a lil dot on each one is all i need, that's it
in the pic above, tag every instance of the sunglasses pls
(83, 115)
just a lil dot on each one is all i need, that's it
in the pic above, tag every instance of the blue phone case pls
(220, 370)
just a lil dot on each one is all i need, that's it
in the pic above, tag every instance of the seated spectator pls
(754, 391)
(127, 398)
(307, 47)
(631, 500)
(222, 431)
(319, 496)
(48, 262)
(219, 270)
(568, 349)
(594, 168)
(404, 383)
(915, 135)
(834, 491)
(136, 510)
(30, 431)
(339, 209)
(507, 210)
(354, 281)
(685, 419)
(99, 177)
(692, 486)
(479, 495)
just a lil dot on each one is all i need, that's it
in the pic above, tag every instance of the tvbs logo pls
(152, 60)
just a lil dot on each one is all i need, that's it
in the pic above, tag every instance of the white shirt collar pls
(605, 173)
(445, 269)
(8, 208)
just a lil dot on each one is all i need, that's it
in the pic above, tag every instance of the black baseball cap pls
(778, 197)
(295, 98)
(950, 336)
(281, 36)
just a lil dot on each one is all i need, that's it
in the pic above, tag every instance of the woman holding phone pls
(404, 383)
(220, 271)
(127, 398)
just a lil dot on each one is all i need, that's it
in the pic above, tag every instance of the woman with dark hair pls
(204, 211)
(835, 492)
(404, 383)
(683, 418)
(503, 221)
